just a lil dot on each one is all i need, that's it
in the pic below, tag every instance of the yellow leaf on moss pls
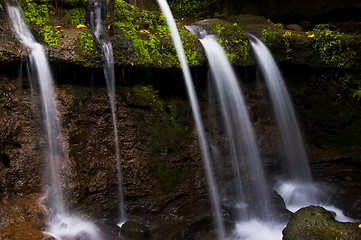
(311, 36)
(81, 26)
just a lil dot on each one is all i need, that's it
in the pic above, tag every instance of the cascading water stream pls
(253, 203)
(298, 188)
(61, 224)
(250, 181)
(110, 81)
(197, 117)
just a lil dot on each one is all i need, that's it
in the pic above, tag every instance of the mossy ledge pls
(142, 38)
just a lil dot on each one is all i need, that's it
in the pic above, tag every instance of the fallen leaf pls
(144, 31)
(81, 26)
(58, 27)
(311, 36)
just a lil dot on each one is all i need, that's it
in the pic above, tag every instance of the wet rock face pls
(22, 220)
(313, 223)
(21, 142)
(154, 175)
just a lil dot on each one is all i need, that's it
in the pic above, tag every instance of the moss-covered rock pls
(142, 38)
(316, 223)
(135, 231)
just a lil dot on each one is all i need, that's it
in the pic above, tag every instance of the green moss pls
(3, 99)
(168, 178)
(80, 93)
(191, 50)
(76, 16)
(233, 40)
(75, 3)
(332, 46)
(86, 43)
(35, 13)
(150, 36)
(51, 35)
(162, 125)
(194, 8)
(268, 37)
(165, 122)
(273, 38)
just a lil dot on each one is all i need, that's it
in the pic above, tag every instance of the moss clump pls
(35, 12)
(168, 178)
(75, 3)
(86, 42)
(194, 8)
(150, 37)
(317, 223)
(163, 125)
(165, 122)
(3, 99)
(75, 16)
(233, 40)
(147, 32)
(332, 46)
(51, 35)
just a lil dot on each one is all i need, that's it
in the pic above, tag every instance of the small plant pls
(233, 40)
(51, 35)
(148, 33)
(332, 46)
(35, 13)
(3, 99)
(357, 94)
(286, 41)
(86, 43)
(192, 8)
(269, 36)
(76, 16)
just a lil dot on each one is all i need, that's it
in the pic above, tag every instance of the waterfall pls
(61, 224)
(297, 189)
(250, 182)
(197, 117)
(110, 81)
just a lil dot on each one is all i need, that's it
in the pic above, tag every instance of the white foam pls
(258, 230)
(65, 226)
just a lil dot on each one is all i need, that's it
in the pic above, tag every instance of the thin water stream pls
(109, 75)
(215, 202)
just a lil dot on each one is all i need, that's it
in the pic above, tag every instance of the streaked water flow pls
(61, 223)
(297, 187)
(197, 117)
(110, 81)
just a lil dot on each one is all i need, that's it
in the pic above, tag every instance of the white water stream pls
(61, 223)
(297, 188)
(197, 117)
(110, 81)
(250, 181)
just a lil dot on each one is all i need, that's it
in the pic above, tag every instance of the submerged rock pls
(314, 222)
